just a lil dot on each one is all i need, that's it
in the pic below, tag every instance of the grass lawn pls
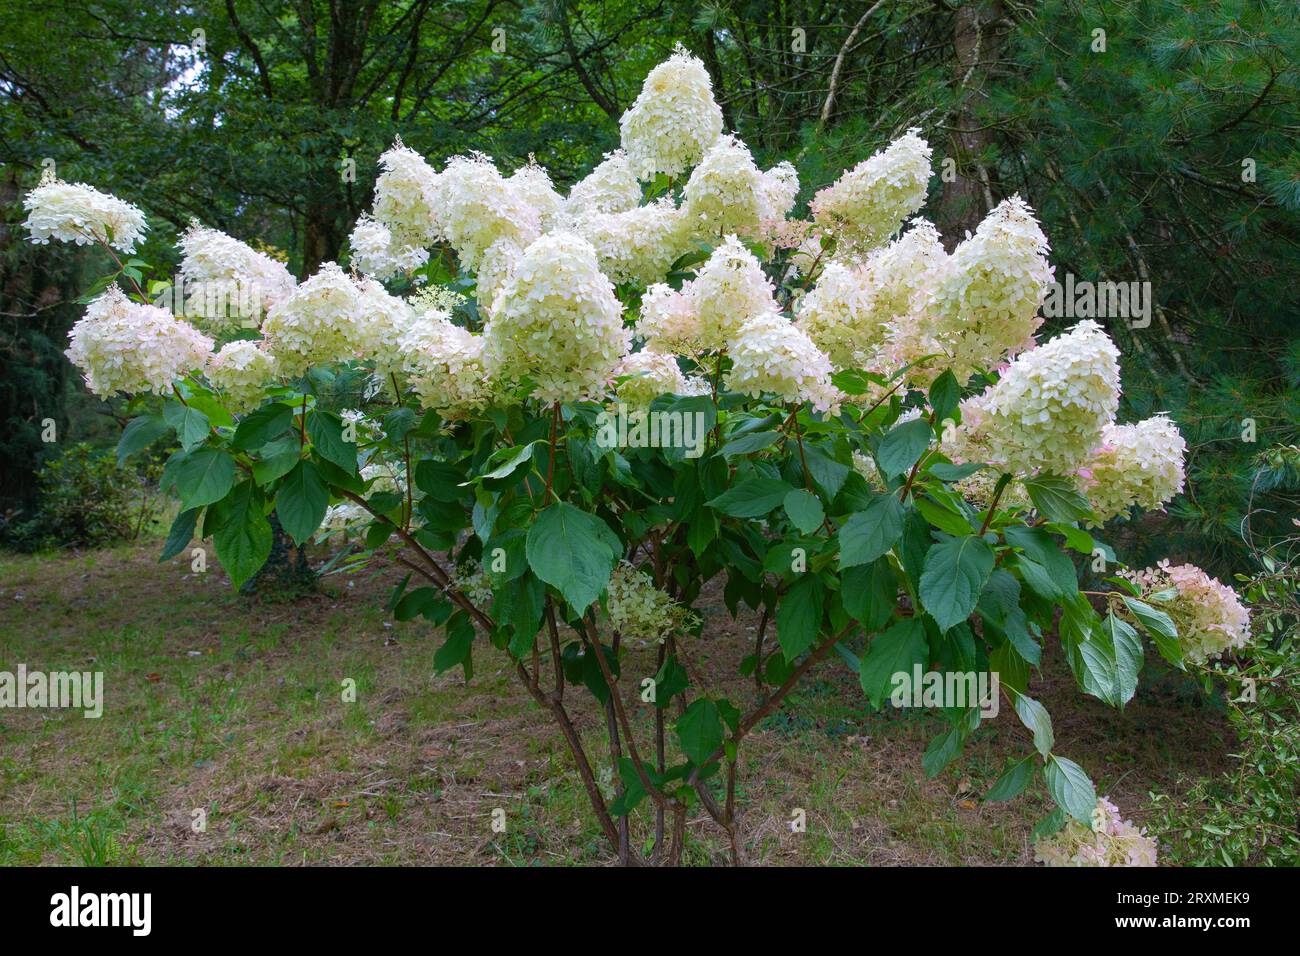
(232, 706)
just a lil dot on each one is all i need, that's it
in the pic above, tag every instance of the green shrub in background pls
(86, 499)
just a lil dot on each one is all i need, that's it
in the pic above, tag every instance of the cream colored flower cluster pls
(319, 323)
(668, 322)
(640, 611)
(771, 354)
(123, 346)
(637, 245)
(727, 193)
(866, 205)
(1047, 411)
(1211, 620)
(375, 251)
(241, 371)
(728, 290)
(1139, 464)
(557, 322)
(406, 197)
(1110, 841)
(476, 206)
(444, 363)
(643, 376)
(75, 212)
(475, 583)
(226, 280)
(611, 187)
(983, 300)
(674, 119)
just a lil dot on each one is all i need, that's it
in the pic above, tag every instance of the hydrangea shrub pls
(661, 380)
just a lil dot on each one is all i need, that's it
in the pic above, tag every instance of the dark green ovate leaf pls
(261, 425)
(139, 434)
(904, 444)
(941, 751)
(570, 550)
(241, 533)
(955, 574)
(699, 730)
(1161, 628)
(1128, 656)
(746, 444)
(805, 510)
(799, 616)
(897, 651)
(180, 535)
(190, 424)
(458, 646)
(869, 593)
(751, 498)
(944, 395)
(302, 501)
(1034, 716)
(1057, 498)
(868, 534)
(325, 429)
(1070, 788)
(202, 476)
(1013, 780)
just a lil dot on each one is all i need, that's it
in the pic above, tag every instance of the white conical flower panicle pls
(673, 121)
(610, 187)
(780, 188)
(771, 355)
(319, 323)
(838, 315)
(225, 282)
(644, 376)
(406, 197)
(533, 185)
(477, 206)
(638, 245)
(726, 193)
(1210, 619)
(123, 346)
(494, 269)
(445, 365)
(1140, 464)
(375, 251)
(866, 205)
(669, 323)
(1048, 410)
(729, 290)
(382, 318)
(75, 212)
(983, 306)
(241, 371)
(557, 322)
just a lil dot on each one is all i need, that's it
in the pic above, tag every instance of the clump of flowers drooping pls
(444, 363)
(674, 119)
(729, 290)
(347, 517)
(1110, 841)
(406, 197)
(124, 346)
(241, 371)
(772, 355)
(640, 611)
(643, 376)
(726, 193)
(319, 323)
(609, 188)
(477, 206)
(376, 252)
(983, 301)
(226, 281)
(866, 205)
(1047, 411)
(669, 322)
(557, 322)
(1140, 464)
(75, 212)
(638, 245)
(533, 185)
(474, 582)
(1211, 620)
